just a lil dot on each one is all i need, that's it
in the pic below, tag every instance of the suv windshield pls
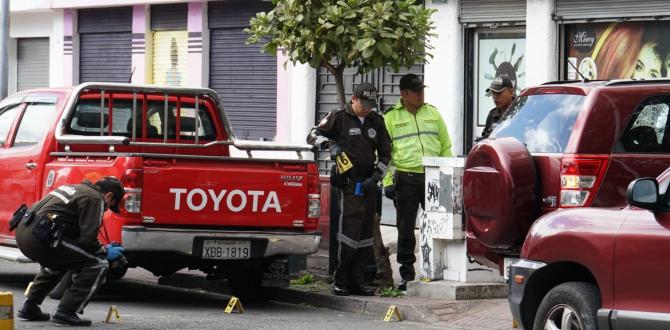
(542, 122)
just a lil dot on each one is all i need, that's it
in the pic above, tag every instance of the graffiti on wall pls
(169, 58)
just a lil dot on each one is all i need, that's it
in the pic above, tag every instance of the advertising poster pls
(170, 52)
(619, 50)
(498, 54)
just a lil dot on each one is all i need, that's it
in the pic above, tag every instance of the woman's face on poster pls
(649, 62)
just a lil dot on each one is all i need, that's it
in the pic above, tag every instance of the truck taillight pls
(132, 182)
(313, 197)
(580, 179)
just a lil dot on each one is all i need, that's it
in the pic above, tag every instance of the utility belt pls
(353, 174)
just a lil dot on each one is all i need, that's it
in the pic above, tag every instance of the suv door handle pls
(31, 165)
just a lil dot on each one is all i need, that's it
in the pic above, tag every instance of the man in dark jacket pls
(358, 141)
(503, 92)
(63, 236)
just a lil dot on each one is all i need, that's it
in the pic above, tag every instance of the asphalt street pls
(143, 304)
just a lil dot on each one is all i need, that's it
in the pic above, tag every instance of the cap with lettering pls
(499, 83)
(367, 93)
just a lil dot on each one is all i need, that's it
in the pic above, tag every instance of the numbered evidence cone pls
(113, 312)
(393, 311)
(234, 304)
(6, 311)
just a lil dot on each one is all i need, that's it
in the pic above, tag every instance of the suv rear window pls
(542, 122)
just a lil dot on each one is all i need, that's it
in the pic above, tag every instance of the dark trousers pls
(87, 269)
(409, 195)
(357, 214)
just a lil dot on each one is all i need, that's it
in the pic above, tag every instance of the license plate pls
(225, 249)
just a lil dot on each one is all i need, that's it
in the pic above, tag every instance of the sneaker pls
(361, 290)
(403, 285)
(69, 318)
(31, 311)
(340, 290)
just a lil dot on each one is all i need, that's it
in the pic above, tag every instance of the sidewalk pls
(449, 314)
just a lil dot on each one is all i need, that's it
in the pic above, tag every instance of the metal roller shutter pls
(487, 11)
(245, 78)
(105, 44)
(384, 79)
(169, 17)
(579, 10)
(32, 56)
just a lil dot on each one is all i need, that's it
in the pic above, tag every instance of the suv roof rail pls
(618, 82)
(558, 82)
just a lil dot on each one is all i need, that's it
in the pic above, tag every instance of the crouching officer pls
(358, 141)
(62, 235)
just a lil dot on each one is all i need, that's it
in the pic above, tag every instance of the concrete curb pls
(409, 309)
(368, 306)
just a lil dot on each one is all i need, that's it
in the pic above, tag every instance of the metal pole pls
(4, 46)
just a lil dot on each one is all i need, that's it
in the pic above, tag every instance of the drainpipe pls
(4, 45)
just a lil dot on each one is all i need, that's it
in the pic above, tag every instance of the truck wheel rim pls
(563, 317)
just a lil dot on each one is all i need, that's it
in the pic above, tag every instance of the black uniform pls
(79, 208)
(368, 147)
(491, 121)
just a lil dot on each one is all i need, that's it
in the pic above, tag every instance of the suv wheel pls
(571, 305)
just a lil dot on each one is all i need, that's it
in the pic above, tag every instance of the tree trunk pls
(338, 72)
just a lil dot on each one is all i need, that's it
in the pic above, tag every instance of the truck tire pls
(574, 302)
(247, 286)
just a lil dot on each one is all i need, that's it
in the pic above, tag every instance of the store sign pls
(584, 40)
(639, 50)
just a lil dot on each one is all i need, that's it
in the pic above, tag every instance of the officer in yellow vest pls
(416, 130)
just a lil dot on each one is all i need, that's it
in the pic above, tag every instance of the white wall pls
(444, 72)
(541, 42)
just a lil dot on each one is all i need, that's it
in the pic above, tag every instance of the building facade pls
(201, 43)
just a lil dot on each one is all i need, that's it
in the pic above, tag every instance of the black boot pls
(64, 316)
(31, 311)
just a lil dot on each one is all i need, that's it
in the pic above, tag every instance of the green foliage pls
(391, 292)
(336, 34)
(304, 280)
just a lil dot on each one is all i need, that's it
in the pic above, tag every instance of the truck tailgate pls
(224, 193)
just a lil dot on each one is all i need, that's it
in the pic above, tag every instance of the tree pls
(366, 34)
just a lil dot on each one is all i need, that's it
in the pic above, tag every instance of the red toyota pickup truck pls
(189, 203)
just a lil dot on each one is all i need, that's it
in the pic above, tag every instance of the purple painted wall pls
(68, 46)
(196, 13)
(139, 54)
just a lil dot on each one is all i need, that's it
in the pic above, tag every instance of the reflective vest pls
(414, 136)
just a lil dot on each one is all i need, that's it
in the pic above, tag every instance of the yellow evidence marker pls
(233, 304)
(113, 311)
(6, 311)
(393, 310)
(343, 163)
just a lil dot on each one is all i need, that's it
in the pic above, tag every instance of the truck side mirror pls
(643, 193)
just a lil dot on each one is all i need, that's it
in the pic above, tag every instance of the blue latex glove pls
(114, 251)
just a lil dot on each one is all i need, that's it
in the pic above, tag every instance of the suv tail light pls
(132, 181)
(313, 197)
(580, 179)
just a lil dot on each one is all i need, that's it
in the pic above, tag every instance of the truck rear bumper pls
(181, 241)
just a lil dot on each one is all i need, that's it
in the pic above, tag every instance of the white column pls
(303, 101)
(444, 72)
(541, 42)
(56, 49)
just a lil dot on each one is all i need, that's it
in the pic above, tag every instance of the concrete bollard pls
(6, 311)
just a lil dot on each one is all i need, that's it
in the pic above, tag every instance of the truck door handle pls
(31, 165)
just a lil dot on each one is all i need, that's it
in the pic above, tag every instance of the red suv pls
(562, 145)
(595, 268)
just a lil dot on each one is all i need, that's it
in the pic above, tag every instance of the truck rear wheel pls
(571, 305)
(247, 286)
